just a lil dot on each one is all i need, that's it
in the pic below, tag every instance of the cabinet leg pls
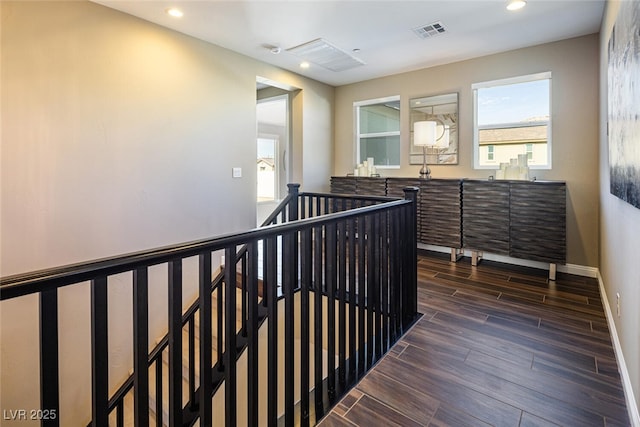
(552, 271)
(456, 254)
(476, 257)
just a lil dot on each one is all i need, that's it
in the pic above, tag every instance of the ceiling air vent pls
(323, 53)
(431, 30)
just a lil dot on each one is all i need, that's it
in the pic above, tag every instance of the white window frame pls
(276, 164)
(503, 82)
(358, 135)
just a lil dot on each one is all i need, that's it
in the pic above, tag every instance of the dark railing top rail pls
(362, 197)
(32, 282)
(281, 207)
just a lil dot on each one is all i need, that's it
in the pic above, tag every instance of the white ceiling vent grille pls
(323, 53)
(430, 30)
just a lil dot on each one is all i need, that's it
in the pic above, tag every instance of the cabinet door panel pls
(538, 221)
(440, 212)
(485, 216)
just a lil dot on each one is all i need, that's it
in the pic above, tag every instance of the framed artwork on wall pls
(623, 106)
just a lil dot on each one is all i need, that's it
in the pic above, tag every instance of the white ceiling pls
(382, 30)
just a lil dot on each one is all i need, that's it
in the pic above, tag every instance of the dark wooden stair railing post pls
(410, 289)
(175, 342)
(99, 352)
(306, 279)
(252, 335)
(49, 371)
(290, 279)
(294, 191)
(206, 342)
(140, 347)
(230, 349)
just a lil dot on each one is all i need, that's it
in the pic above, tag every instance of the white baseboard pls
(632, 406)
(579, 270)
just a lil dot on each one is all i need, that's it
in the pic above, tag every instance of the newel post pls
(293, 203)
(410, 257)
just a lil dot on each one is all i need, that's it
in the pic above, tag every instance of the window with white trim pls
(377, 123)
(511, 117)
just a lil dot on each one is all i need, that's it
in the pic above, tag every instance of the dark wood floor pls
(497, 345)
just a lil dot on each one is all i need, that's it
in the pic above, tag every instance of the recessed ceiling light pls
(516, 4)
(304, 64)
(176, 13)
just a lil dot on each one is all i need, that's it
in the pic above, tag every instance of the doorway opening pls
(273, 139)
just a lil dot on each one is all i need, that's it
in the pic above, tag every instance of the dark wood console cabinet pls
(520, 219)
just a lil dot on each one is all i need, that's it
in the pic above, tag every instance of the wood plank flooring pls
(497, 345)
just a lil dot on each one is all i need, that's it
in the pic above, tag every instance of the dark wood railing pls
(356, 253)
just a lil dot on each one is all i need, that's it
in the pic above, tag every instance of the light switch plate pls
(237, 172)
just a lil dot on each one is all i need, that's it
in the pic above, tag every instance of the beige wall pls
(574, 67)
(619, 236)
(119, 135)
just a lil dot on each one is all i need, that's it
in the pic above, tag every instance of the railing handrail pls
(41, 280)
(361, 197)
(283, 204)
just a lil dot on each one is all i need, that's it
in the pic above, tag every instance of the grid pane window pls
(378, 131)
(512, 117)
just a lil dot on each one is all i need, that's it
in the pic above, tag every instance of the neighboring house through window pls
(511, 117)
